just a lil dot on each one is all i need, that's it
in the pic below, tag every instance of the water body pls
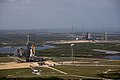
(11, 49)
(112, 57)
(106, 51)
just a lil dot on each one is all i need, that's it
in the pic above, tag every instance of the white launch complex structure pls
(30, 48)
(27, 54)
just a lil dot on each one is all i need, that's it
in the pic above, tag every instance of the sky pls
(43, 14)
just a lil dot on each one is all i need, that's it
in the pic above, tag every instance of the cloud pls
(59, 12)
(15, 4)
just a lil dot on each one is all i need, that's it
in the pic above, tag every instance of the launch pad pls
(28, 54)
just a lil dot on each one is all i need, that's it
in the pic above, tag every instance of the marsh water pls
(113, 57)
(11, 49)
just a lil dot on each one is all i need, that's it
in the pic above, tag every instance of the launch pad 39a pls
(28, 54)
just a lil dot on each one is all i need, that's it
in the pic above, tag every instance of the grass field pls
(27, 72)
(74, 72)
(80, 50)
(63, 53)
(6, 59)
(91, 71)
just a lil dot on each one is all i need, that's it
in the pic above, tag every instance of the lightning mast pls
(72, 45)
(28, 38)
(106, 38)
(102, 36)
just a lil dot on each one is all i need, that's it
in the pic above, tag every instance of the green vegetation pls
(105, 62)
(90, 71)
(26, 72)
(74, 72)
(61, 53)
(6, 54)
(18, 38)
(82, 49)
(33, 78)
(111, 74)
(6, 59)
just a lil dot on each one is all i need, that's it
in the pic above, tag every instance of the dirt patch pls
(14, 65)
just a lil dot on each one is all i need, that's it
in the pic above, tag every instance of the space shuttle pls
(30, 48)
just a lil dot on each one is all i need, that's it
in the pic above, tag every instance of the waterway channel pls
(110, 54)
(11, 49)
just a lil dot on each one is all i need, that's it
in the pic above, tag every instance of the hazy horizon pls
(60, 14)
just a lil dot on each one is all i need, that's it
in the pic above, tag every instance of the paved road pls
(93, 65)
